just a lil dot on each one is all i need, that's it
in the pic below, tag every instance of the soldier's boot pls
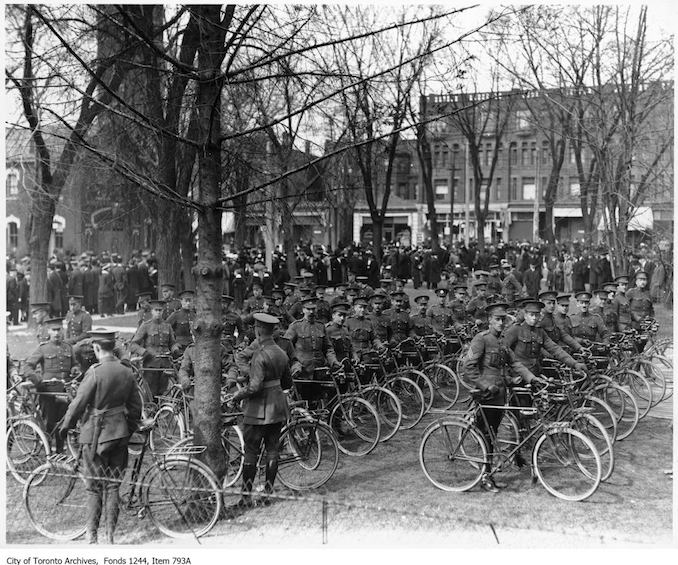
(271, 472)
(94, 504)
(249, 472)
(112, 511)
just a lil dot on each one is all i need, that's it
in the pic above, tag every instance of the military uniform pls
(253, 305)
(155, 338)
(323, 311)
(640, 304)
(401, 325)
(188, 363)
(609, 315)
(144, 315)
(458, 308)
(494, 287)
(77, 326)
(311, 345)
(171, 305)
(381, 323)
(476, 309)
(564, 325)
(440, 317)
(340, 339)
(231, 322)
(181, 321)
(622, 308)
(362, 335)
(588, 326)
(527, 343)
(108, 393)
(42, 333)
(421, 325)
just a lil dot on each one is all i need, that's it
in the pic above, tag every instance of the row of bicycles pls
(569, 423)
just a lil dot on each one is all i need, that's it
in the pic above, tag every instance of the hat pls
(533, 305)
(290, 285)
(54, 322)
(40, 306)
(506, 265)
(378, 297)
(460, 288)
(421, 298)
(641, 275)
(353, 290)
(305, 288)
(479, 283)
(548, 295)
(102, 334)
(320, 287)
(563, 299)
(361, 300)
(226, 297)
(257, 283)
(481, 273)
(601, 291)
(496, 309)
(385, 281)
(583, 296)
(520, 302)
(75, 297)
(157, 304)
(187, 293)
(622, 279)
(309, 302)
(610, 286)
(265, 319)
(494, 266)
(341, 285)
(277, 292)
(142, 294)
(168, 285)
(441, 291)
(341, 307)
(397, 294)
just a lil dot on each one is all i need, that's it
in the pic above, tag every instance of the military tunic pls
(181, 321)
(144, 315)
(323, 311)
(588, 326)
(172, 305)
(230, 322)
(401, 325)
(609, 315)
(311, 345)
(527, 343)
(458, 308)
(440, 317)
(421, 325)
(151, 339)
(622, 308)
(42, 333)
(77, 326)
(640, 304)
(362, 335)
(476, 309)
(381, 323)
(564, 324)
(340, 339)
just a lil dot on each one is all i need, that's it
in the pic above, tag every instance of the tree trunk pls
(169, 225)
(42, 215)
(377, 233)
(187, 249)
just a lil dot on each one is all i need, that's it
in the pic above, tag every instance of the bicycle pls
(179, 493)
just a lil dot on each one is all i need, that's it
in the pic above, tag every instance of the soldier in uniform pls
(621, 305)
(475, 309)
(339, 293)
(400, 287)
(381, 322)
(640, 301)
(266, 409)
(109, 406)
(252, 305)
(421, 325)
(311, 346)
(323, 311)
(494, 286)
(361, 331)
(586, 325)
(40, 313)
(297, 310)
(510, 287)
(152, 339)
(144, 312)
(609, 313)
(364, 289)
(401, 323)
(78, 321)
(337, 332)
(278, 310)
(230, 324)
(59, 366)
(486, 368)
(458, 305)
(440, 315)
(172, 304)
(290, 288)
(182, 319)
(547, 323)
(564, 324)
(352, 292)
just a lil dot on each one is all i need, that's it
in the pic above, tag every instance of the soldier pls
(421, 325)
(510, 287)
(231, 324)
(291, 296)
(494, 286)
(486, 368)
(621, 305)
(78, 321)
(312, 348)
(120, 284)
(364, 289)
(586, 325)
(172, 303)
(297, 310)
(609, 313)
(59, 366)
(352, 292)
(458, 305)
(440, 315)
(144, 302)
(547, 322)
(182, 319)
(110, 408)
(475, 309)
(400, 287)
(401, 323)
(640, 301)
(384, 291)
(266, 410)
(337, 332)
(40, 313)
(339, 293)
(361, 331)
(154, 341)
(381, 322)
(186, 372)
(323, 311)
(564, 324)
(279, 311)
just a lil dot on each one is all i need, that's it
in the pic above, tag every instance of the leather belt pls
(271, 384)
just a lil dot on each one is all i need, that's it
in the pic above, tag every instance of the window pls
(529, 191)
(533, 153)
(13, 234)
(575, 189)
(441, 190)
(497, 189)
(544, 185)
(514, 189)
(436, 156)
(457, 190)
(445, 155)
(523, 153)
(59, 239)
(12, 182)
(545, 153)
(573, 159)
(514, 154)
(522, 119)
(488, 154)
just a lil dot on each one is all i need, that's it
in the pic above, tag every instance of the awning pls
(641, 219)
(567, 212)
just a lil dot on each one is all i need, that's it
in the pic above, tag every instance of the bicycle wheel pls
(452, 455)
(603, 413)
(639, 387)
(234, 450)
(567, 464)
(182, 497)
(167, 430)
(624, 406)
(508, 434)
(445, 383)
(411, 400)
(55, 500)
(356, 423)
(309, 455)
(596, 432)
(388, 407)
(664, 363)
(652, 372)
(424, 384)
(27, 448)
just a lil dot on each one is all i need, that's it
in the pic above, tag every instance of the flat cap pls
(496, 309)
(54, 322)
(583, 296)
(265, 319)
(548, 295)
(102, 334)
(533, 305)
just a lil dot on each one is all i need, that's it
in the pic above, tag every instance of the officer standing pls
(181, 320)
(621, 305)
(266, 409)
(486, 368)
(59, 366)
(564, 323)
(361, 331)
(109, 405)
(381, 322)
(440, 315)
(337, 332)
(172, 304)
(78, 321)
(476, 308)
(323, 311)
(510, 287)
(640, 301)
(586, 325)
(458, 305)
(421, 324)
(401, 323)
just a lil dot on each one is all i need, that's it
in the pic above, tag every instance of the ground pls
(385, 500)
